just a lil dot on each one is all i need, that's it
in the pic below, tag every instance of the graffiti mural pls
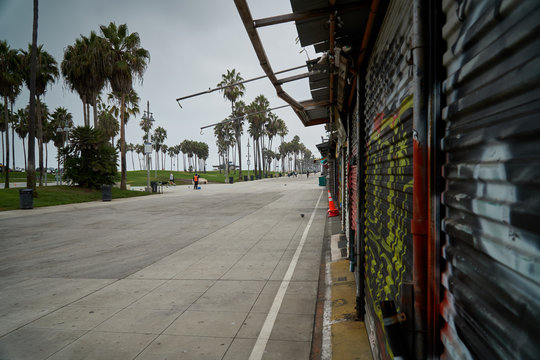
(388, 204)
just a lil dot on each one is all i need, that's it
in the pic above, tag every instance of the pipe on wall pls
(419, 222)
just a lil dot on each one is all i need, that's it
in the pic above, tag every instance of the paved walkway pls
(227, 272)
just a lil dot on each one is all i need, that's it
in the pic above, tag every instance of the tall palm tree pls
(46, 74)
(160, 134)
(10, 84)
(83, 69)
(282, 132)
(61, 118)
(31, 170)
(125, 60)
(107, 122)
(21, 128)
(131, 147)
(164, 149)
(257, 120)
(232, 91)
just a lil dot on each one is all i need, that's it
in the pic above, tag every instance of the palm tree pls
(61, 118)
(10, 84)
(164, 149)
(139, 149)
(125, 60)
(84, 72)
(232, 91)
(257, 120)
(46, 73)
(21, 128)
(31, 170)
(282, 132)
(160, 134)
(107, 121)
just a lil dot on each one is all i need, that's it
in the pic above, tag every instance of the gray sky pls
(191, 43)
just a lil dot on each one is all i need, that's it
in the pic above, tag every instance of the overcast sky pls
(191, 43)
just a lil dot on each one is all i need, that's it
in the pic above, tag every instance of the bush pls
(89, 160)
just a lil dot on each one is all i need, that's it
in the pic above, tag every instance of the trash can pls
(251, 176)
(231, 179)
(153, 184)
(322, 180)
(26, 198)
(106, 192)
(271, 176)
(245, 178)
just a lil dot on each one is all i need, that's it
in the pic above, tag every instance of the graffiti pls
(389, 206)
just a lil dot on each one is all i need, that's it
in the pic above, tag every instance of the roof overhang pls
(340, 30)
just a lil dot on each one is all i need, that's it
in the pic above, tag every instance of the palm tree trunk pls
(46, 161)
(132, 162)
(184, 161)
(6, 186)
(123, 143)
(31, 173)
(13, 137)
(24, 152)
(40, 140)
(94, 105)
(239, 142)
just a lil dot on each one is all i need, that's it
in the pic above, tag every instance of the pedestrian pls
(171, 179)
(195, 181)
(308, 174)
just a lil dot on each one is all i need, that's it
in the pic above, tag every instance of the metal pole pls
(238, 83)
(419, 218)
(147, 157)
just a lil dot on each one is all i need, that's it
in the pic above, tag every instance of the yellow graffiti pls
(388, 205)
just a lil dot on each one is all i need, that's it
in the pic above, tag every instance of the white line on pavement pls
(264, 336)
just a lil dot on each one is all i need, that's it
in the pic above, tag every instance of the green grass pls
(138, 178)
(58, 195)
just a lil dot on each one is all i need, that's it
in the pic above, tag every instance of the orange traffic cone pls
(332, 210)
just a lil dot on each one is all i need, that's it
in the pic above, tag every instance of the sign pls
(147, 148)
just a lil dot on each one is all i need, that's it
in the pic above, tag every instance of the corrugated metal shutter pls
(353, 196)
(491, 303)
(388, 201)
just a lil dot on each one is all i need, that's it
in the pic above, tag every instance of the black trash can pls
(106, 192)
(231, 179)
(271, 176)
(26, 198)
(251, 177)
(245, 178)
(153, 184)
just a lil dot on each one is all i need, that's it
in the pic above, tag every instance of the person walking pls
(195, 181)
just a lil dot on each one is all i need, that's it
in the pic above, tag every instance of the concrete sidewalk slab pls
(145, 279)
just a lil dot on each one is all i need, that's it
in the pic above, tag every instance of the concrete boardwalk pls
(182, 275)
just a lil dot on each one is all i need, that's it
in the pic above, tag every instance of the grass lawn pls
(138, 178)
(58, 195)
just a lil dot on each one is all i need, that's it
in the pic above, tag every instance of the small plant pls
(89, 159)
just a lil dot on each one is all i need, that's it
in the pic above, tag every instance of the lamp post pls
(148, 119)
(65, 131)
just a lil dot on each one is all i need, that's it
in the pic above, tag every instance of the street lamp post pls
(148, 119)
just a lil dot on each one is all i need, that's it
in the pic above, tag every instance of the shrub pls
(89, 160)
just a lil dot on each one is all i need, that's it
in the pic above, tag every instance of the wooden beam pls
(304, 15)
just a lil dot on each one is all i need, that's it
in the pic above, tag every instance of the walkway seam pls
(264, 335)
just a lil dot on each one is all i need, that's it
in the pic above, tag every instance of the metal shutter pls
(491, 305)
(388, 173)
